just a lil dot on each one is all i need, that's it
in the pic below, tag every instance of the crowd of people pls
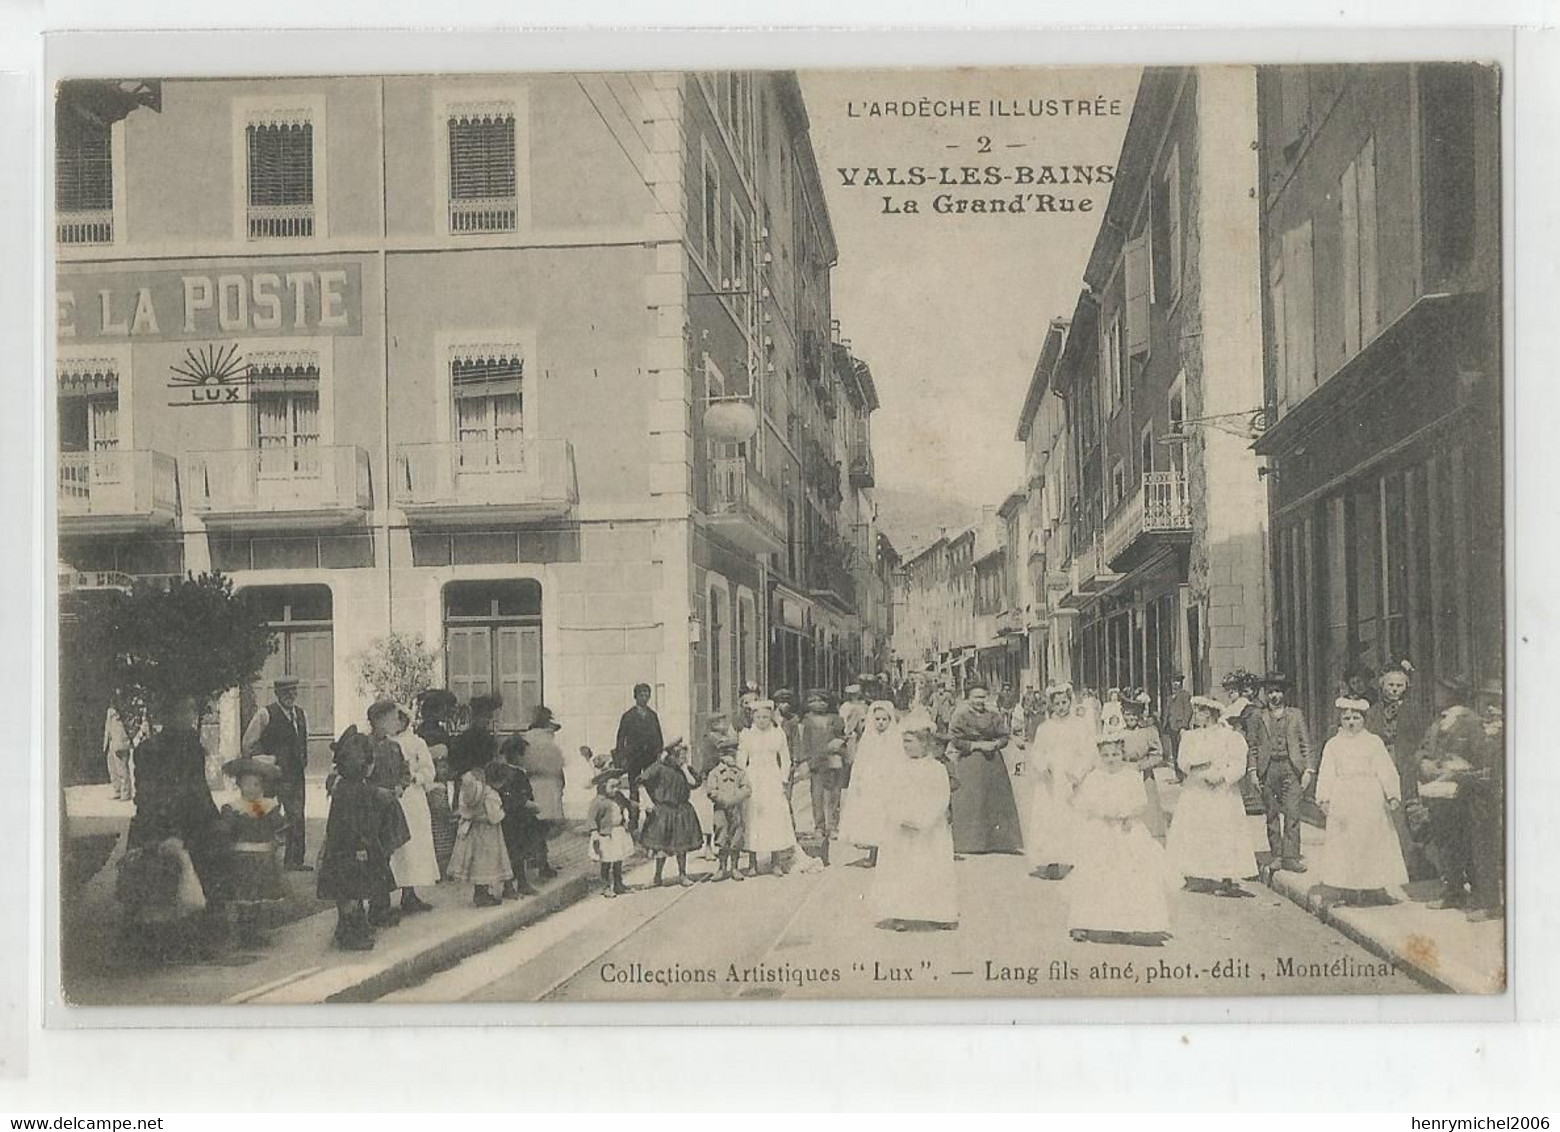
(912, 776)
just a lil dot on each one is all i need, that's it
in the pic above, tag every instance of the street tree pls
(397, 666)
(195, 637)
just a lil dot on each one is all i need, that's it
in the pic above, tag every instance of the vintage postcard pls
(1015, 533)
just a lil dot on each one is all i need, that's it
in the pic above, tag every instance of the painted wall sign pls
(276, 300)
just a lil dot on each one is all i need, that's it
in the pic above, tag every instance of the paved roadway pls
(811, 936)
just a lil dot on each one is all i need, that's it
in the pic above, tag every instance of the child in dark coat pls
(522, 828)
(672, 828)
(359, 838)
(253, 829)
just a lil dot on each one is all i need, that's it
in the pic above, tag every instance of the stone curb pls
(1344, 920)
(442, 953)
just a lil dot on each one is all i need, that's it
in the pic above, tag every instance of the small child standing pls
(610, 842)
(672, 829)
(254, 829)
(355, 862)
(914, 882)
(522, 829)
(727, 788)
(1120, 890)
(480, 857)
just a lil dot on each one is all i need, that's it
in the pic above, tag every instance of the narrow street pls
(813, 936)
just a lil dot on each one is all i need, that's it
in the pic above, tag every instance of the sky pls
(950, 311)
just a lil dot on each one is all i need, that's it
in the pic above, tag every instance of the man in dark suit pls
(1178, 717)
(281, 730)
(1282, 763)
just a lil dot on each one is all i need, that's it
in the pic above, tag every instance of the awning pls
(1420, 331)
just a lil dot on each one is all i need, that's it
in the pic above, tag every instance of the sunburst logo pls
(214, 375)
(211, 365)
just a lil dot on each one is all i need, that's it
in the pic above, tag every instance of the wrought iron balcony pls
(280, 488)
(484, 214)
(744, 507)
(86, 226)
(828, 576)
(1157, 510)
(117, 492)
(506, 481)
(863, 468)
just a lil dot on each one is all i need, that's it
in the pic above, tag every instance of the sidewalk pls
(1439, 948)
(299, 964)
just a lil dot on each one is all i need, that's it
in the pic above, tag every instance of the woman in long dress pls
(1120, 891)
(763, 754)
(1209, 843)
(985, 814)
(415, 862)
(872, 780)
(1358, 789)
(915, 880)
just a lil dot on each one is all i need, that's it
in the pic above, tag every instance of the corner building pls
(1160, 375)
(459, 356)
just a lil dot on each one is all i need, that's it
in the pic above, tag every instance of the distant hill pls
(912, 519)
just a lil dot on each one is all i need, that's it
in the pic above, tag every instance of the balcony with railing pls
(863, 468)
(1155, 515)
(506, 481)
(1091, 574)
(280, 488)
(85, 226)
(829, 578)
(744, 507)
(117, 492)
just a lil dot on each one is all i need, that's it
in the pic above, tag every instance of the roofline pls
(790, 92)
(1040, 379)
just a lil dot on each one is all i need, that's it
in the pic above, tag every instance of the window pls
(489, 421)
(1110, 364)
(739, 277)
(301, 619)
(493, 643)
(709, 231)
(1166, 224)
(1357, 202)
(1139, 277)
(717, 655)
(1146, 450)
(83, 177)
(483, 181)
(1448, 100)
(747, 652)
(282, 179)
(286, 419)
(89, 429)
(1299, 333)
(1118, 483)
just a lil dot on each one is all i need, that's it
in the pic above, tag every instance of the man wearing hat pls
(281, 730)
(1393, 719)
(820, 743)
(1282, 763)
(1178, 717)
(1464, 771)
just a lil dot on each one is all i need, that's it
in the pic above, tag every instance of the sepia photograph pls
(965, 533)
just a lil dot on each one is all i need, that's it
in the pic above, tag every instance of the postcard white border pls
(1529, 63)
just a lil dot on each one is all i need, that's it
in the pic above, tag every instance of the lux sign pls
(265, 301)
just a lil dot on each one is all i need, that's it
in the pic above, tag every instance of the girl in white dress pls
(872, 780)
(1060, 756)
(1209, 842)
(415, 863)
(1359, 790)
(915, 881)
(1120, 890)
(762, 752)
